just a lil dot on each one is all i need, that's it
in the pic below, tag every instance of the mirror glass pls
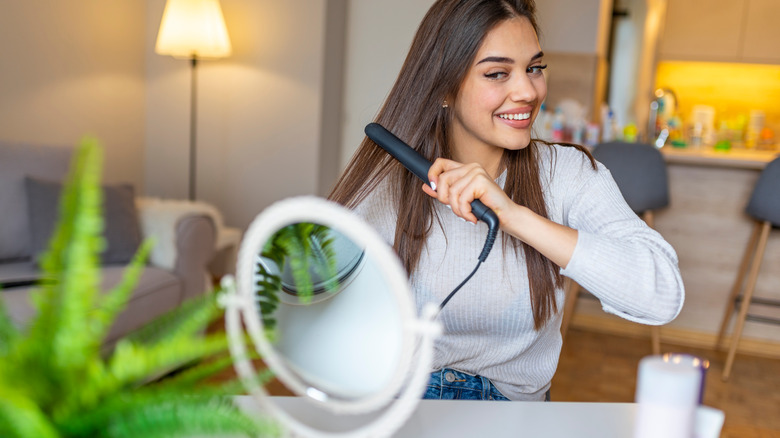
(327, 312)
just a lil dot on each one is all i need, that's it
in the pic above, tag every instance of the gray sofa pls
(27, 174)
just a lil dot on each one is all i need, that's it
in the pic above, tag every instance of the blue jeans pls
(450, 384)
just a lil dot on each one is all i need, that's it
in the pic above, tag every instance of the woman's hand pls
(457, 185)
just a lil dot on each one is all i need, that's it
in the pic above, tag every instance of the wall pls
(574, 26)
(379, 34)
(574, 36)
(259, 110)
(75, 68)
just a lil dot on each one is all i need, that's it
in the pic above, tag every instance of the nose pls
(524, 89)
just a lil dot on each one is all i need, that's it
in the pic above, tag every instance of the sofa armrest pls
(196, 237)
(185, 234)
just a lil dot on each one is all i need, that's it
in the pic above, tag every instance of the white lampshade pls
(193, 28)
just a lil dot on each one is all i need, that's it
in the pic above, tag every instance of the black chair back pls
(640, 172)
(764, 203)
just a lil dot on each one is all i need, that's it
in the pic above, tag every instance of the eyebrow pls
(506, 60)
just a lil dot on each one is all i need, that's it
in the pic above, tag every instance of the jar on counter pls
(754, 127)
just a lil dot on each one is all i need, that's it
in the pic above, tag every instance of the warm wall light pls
(193, 29)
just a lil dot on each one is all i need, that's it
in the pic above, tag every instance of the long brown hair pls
(440, 56)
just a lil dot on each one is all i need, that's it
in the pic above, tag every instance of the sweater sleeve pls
(618, 258)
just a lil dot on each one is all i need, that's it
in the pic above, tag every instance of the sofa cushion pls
(122, 230)
(18, 273)
(16, 162)
(157, 292)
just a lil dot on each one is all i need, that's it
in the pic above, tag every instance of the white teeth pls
(522, 116)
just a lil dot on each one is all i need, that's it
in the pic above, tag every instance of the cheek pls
(480, 99)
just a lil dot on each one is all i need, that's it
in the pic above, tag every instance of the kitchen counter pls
(706, 156)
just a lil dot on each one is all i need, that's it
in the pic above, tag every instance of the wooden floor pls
(597, 367)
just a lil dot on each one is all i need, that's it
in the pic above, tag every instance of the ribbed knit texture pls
(488, 324)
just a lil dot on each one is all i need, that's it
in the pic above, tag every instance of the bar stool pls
(764, 209)
(640, 173)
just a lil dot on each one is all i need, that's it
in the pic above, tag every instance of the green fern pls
(54, 380)
(303, 247)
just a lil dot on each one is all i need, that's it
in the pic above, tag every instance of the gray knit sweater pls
(488, 324)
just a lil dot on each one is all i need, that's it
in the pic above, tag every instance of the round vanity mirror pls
(328, 307)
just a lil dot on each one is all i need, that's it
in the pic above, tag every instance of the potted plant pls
(56, 382)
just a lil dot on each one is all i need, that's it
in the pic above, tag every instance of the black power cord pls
(491, 238)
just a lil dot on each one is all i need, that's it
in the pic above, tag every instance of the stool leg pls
(655, 331)
(572, 292)
(751, 284)
(747, 257)
(655, 336)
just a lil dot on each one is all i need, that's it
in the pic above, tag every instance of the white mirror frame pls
(416, 357)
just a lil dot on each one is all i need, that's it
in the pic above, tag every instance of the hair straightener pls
(419, 166)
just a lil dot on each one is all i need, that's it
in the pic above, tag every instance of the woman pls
(466, 97)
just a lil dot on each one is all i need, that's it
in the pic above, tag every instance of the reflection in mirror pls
(325, 314)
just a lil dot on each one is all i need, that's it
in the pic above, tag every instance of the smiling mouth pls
(520, 116)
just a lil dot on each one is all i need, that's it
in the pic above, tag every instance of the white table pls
(475, 418)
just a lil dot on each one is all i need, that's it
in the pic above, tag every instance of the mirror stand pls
(387, 423)
(363, 358)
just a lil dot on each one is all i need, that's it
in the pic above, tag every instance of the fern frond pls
(294, 241)
(198, 373)
(21, 417)
(324, 256)
(111, 304)
(155, 413)
(75, 338)
(267, 288)
(190, 317)
(133, 364)
(9, 334)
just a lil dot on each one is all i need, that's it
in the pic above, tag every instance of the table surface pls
(467, 418)
(461, 418)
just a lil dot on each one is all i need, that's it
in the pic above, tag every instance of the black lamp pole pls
(193, 127)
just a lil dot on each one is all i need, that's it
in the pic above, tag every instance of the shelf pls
(706, 156)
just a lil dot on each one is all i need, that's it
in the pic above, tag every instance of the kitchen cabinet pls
(721, 30)
(761, 41)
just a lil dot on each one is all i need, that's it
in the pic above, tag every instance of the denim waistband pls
(456, 385)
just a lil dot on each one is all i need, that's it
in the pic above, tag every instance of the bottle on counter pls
(630, 133)
(558, 124)
(592, 133)
(754, 126)
(723, 142)
(543, 124)
(609, 127)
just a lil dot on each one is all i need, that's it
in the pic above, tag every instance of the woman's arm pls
(601, 243)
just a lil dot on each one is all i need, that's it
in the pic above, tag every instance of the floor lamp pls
(194, 30)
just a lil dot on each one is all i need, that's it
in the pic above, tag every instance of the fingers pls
(457, 185)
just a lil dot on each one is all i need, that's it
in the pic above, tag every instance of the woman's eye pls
(496, 75)
(536, 69)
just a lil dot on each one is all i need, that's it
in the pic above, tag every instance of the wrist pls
(514, 220)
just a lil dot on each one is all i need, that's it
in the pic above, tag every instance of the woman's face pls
(501, 94)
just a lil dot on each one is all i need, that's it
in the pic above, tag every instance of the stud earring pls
(445, 105)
